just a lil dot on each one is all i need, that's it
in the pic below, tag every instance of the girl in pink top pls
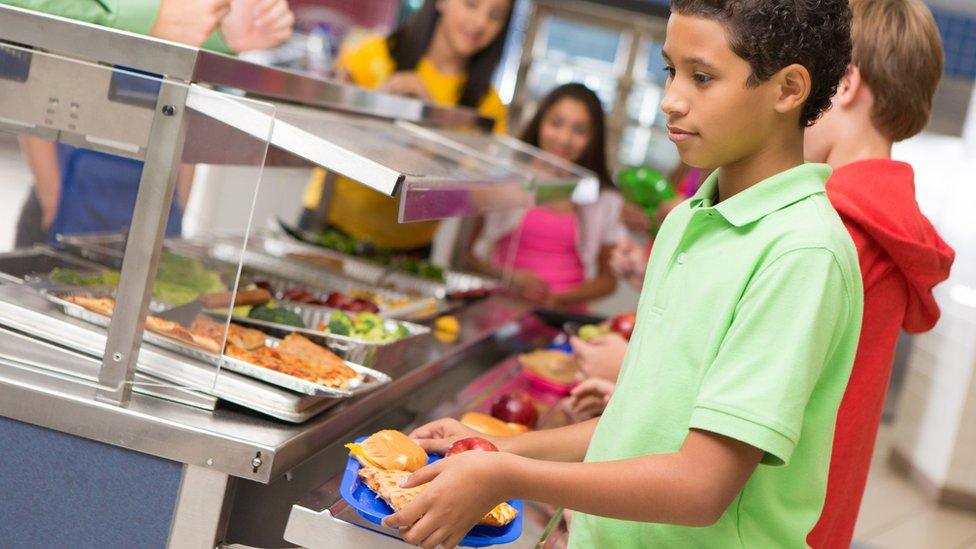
(560, 250)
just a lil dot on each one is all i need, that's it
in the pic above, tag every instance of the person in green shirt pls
(719, 433)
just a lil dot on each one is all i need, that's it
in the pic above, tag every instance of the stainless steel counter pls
(227, 439)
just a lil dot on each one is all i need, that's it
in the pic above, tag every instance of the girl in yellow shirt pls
(446, 54)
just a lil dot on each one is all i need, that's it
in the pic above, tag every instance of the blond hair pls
(898, 51)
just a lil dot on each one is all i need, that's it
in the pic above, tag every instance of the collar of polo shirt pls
(765, 197)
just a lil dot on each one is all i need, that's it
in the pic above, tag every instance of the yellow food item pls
(389, 449)
(447, 324)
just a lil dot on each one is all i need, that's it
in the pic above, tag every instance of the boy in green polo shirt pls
(719, 433)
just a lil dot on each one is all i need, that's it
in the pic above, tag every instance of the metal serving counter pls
(271, 465)
(117, 443)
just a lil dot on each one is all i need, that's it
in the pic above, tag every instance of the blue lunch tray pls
(372, 508)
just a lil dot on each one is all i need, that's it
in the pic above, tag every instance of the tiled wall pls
(959, 39)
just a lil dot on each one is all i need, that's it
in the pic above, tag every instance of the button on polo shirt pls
(747, 327)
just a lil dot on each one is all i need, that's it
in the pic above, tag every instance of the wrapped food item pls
(488, 425)
(389, 449)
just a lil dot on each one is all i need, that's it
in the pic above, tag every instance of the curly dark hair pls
(772, 34)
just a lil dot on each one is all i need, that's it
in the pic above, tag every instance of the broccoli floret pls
(401, 331)
(340, 324)
(366, 322)
(277, 315)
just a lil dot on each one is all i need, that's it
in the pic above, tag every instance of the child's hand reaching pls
(629, 262)
(528, 285)
(601, 356)
(463, 488)
(590, 398)
(437, 436)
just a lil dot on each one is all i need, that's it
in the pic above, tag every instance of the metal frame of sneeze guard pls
(437, 180)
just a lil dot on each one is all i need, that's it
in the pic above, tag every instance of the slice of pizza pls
(246, 338)
(386, 484)
(322, 360)
(101, 305)
(175, 330)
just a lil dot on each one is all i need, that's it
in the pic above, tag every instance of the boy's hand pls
(601, 356)
(257, 24)
(629, 262)
(463, 489)
(437, 436)
(590, 398)
(188, 22)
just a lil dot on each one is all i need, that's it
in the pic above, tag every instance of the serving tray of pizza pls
(295, 362)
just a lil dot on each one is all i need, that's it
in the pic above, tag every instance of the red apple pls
(515, 408)
(472, 443)
(624, 324)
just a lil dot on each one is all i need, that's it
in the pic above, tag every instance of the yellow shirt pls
(360, 211)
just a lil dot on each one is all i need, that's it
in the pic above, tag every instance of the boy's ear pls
(849, 87)
(794, 85)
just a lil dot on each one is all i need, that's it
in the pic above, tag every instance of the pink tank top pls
(547, 247)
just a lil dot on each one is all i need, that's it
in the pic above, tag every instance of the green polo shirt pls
(747, 327)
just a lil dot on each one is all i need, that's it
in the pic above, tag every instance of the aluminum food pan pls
(282, 274)
(372, 378)
(373, 354)
(373, 273)
(31, 313)
(28, 264)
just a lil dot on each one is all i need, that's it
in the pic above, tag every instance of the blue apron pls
(98, 194)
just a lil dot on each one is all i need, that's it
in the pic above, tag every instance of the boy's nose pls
(672, 104)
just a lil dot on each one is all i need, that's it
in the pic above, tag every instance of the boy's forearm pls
(646, 489)
(563, 444)
(690, 487)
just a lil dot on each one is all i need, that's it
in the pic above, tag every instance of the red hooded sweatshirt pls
(902, 258)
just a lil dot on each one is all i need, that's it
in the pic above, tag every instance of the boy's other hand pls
(257, 24)
(601, 356)
(188, 22)
(629, 262)
(462, 489)
(437, 436)
(590, 398)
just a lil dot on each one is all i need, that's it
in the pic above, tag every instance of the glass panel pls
(644, 104)
(74, 293)
(565, 39)
(546, 74)
(654, 68)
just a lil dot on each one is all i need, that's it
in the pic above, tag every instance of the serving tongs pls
(185, 314)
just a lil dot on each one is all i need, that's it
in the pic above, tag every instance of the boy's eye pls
(670, 71)
(702, 78)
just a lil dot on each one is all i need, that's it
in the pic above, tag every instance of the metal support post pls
(202, 509)
(142, 249)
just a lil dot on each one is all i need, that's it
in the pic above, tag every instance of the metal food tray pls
(375, 273)
(25, 265)
(373, 378)
(368, 353)
(283, 273)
